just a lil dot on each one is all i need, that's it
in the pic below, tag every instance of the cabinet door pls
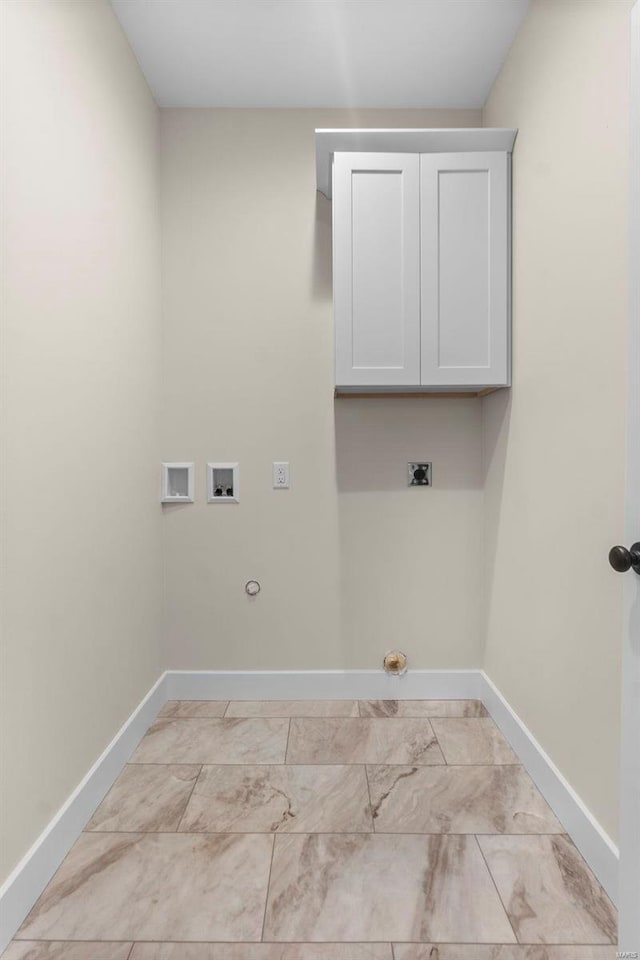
(465, 237)
(376, 268)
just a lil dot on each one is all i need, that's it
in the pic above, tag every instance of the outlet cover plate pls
(281, 475)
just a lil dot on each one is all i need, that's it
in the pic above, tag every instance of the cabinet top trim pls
(405, 140)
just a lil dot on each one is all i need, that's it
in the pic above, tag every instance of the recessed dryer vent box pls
(222, 483)
(177, 483)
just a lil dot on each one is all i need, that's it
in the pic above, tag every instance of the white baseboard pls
(592, 841)
(26, 882)
(322, 685)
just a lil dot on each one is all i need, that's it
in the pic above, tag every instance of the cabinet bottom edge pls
(359, 393)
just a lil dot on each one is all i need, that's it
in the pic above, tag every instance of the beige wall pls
(80, 522)
(351, 561)
(554, 447)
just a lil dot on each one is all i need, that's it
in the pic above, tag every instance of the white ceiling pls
(320, 53)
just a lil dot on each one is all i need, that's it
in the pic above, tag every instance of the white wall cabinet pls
(421, 261)
(376, 280)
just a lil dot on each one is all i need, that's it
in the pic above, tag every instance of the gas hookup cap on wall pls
(395, 662)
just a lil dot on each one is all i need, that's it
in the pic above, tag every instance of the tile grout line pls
(337, 763)
(316, 716)
(315, 943)
(506, 912)
(286, 749)
(266, 896)
(195, 781)
(307, 763)
(319, 833)
(439, 745)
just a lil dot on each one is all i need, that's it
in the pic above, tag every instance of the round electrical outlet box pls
(252, 587)
(395, 662)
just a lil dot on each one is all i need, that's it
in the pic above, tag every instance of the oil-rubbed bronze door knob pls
(622, 559)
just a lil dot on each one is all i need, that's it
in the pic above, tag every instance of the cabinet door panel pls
(465, 269)
(376, 245)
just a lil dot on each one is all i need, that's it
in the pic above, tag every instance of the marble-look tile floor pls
(322, 830)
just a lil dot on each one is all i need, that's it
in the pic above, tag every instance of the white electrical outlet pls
(280, 476)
